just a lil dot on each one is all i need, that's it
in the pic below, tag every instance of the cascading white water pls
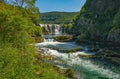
(57, 29)
(83, 67)
(46, 27)
(52, 28)
(79, 64)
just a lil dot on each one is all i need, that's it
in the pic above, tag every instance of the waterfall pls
(57, 29)
(84, 67)
(52, 28)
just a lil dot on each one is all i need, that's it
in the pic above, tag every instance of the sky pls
(60, 5)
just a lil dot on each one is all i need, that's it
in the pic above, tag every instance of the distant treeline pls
(58, 17)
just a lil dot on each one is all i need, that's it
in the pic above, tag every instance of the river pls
(84, 68)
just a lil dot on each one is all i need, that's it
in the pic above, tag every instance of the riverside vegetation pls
(57, 17)
(96, 26)
(17, 57)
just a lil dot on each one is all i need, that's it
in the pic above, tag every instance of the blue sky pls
(60, 5)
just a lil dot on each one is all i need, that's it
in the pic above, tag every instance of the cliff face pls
(98, 20)
(114, 33)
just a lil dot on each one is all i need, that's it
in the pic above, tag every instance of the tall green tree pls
(24, 3)
(29, 8)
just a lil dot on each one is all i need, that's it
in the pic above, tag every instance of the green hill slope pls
(58, 17)
(98, 20)
(98, 25)
(19, 59)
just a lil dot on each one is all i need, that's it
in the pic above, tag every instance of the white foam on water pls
(73, 58)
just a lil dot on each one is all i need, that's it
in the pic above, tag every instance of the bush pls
(39, 39)
(69, 73)
(15, 63)
(16, 54)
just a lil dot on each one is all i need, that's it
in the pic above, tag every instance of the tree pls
(29, 9)
(24, 3)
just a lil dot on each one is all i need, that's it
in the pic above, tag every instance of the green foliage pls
(69, 73)
(34, 14)
(15, 63)
(37, 31)
(96, 19)
(47, 71)
(23, 3)
(16, 57)
(57, 17)
(16, 52)
(116, 21)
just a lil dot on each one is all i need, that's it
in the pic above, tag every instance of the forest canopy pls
(58, 17)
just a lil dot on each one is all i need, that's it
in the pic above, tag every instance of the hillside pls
(99, 20)
(98, 25)
(58, 17)
(19, 59)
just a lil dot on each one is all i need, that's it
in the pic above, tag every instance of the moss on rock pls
(64, 38)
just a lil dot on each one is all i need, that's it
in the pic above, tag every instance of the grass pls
(50, 71)
(16, 64)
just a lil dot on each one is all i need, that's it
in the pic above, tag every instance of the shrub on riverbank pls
(69, 73)
(39, 39)
(46, 70)
(17, 58)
